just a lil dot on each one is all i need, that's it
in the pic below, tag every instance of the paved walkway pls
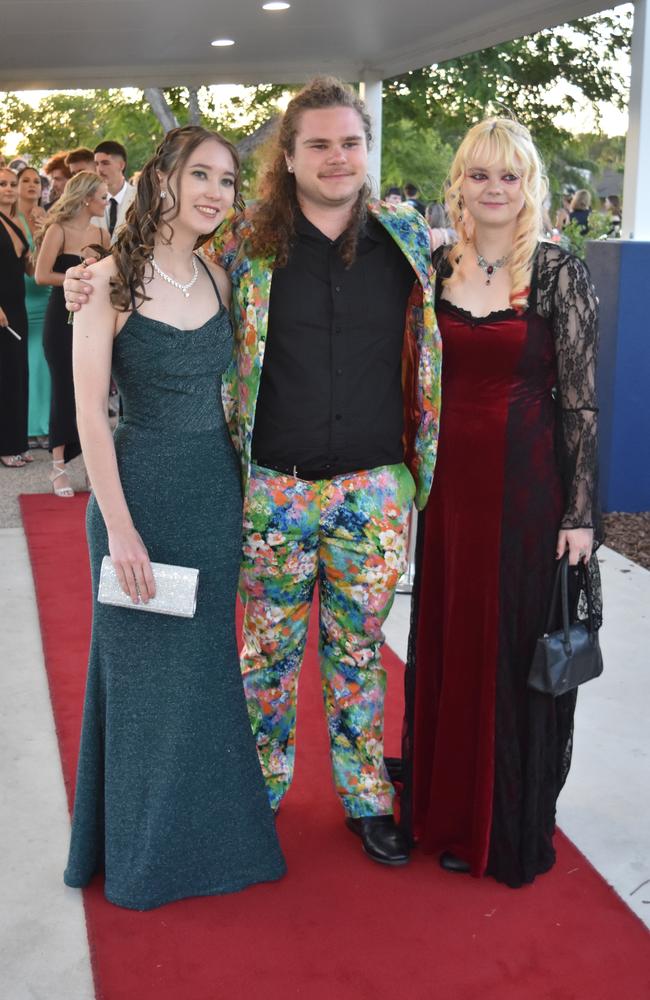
(604, 809)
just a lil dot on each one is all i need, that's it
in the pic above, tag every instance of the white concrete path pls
(605, 808)
(43, 944)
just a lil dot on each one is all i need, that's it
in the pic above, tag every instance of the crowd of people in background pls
(27, 199)
(49, 218)
(575, 207)
(326, 433)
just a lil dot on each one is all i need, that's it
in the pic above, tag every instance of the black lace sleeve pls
(439, 257)
(575, 329)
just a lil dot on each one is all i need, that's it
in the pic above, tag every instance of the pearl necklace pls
(488, 268)
(184, 288)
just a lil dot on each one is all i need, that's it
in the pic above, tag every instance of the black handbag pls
(570, 656)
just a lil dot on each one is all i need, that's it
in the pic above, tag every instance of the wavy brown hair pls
(134, 246)
(274, 218)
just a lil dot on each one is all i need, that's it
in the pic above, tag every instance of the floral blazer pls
(421, 354)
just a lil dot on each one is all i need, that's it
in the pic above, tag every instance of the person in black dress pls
(15, 262)
(484, 757)
(581, 210)
(66, 235)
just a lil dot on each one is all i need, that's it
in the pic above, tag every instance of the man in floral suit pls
(332, 401)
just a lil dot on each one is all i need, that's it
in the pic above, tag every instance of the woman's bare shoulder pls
(215, 270)
(219, 275)
(103, 270)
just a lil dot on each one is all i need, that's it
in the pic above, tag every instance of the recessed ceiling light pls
(275, 6)
(223, 41)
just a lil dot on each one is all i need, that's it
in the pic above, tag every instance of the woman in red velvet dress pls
(515, 486)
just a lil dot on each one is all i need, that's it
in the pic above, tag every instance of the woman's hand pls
(77, 285)
(579, 542)
(131, 561)
(37, 215)
(3, 318)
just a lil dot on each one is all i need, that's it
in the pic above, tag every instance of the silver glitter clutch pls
(176, 589)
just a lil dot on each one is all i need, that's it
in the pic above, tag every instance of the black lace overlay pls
(564, 294)
(519, 388)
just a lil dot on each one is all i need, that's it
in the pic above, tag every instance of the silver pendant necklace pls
(184, 288)
(488, 268)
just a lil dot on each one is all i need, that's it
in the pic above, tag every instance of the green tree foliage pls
(426, 111)
(517, 77)
(412, 154)
(575, 240)
(63, 121)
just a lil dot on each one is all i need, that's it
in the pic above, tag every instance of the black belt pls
(302, 472)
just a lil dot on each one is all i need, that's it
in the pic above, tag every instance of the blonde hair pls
(76, 192)
(505, 140)
(581, 201)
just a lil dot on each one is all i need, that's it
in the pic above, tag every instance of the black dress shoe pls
(451, 863)
(383, 841)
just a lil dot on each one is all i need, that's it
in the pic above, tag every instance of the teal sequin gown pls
(40, 384)
(170, 799)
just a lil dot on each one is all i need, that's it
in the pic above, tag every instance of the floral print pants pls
(350, 534)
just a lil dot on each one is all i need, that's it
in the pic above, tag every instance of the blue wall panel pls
(621, 273)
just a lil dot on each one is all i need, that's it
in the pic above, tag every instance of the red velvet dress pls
(484, 757)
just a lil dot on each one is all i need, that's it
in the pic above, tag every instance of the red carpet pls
(338, 927)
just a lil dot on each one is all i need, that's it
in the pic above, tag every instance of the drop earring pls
(163, 194)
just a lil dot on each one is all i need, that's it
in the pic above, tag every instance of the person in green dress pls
(30, 217)
(170, 798)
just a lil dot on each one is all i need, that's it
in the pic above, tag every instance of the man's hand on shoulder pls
(77, 285)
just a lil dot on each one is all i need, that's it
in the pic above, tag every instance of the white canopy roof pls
(103, 43)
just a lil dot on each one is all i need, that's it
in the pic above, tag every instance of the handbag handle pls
(561, 589)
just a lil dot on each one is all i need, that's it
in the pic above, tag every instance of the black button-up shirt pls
(331, 394)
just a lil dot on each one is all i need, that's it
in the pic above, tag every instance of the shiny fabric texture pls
(570, 655)
(485, 757)
(349, 535)
(40, 388)
(170, 800)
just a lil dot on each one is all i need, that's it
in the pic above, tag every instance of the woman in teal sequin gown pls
(36, 299)
(170, 798)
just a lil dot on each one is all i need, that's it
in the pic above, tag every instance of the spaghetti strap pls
(209, 274)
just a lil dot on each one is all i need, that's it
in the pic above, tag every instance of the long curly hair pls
(274, 218)
(501, 140)
(78, 190)
(144, 221)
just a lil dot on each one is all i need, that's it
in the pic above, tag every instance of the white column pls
(370, 91)
(636, 189)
